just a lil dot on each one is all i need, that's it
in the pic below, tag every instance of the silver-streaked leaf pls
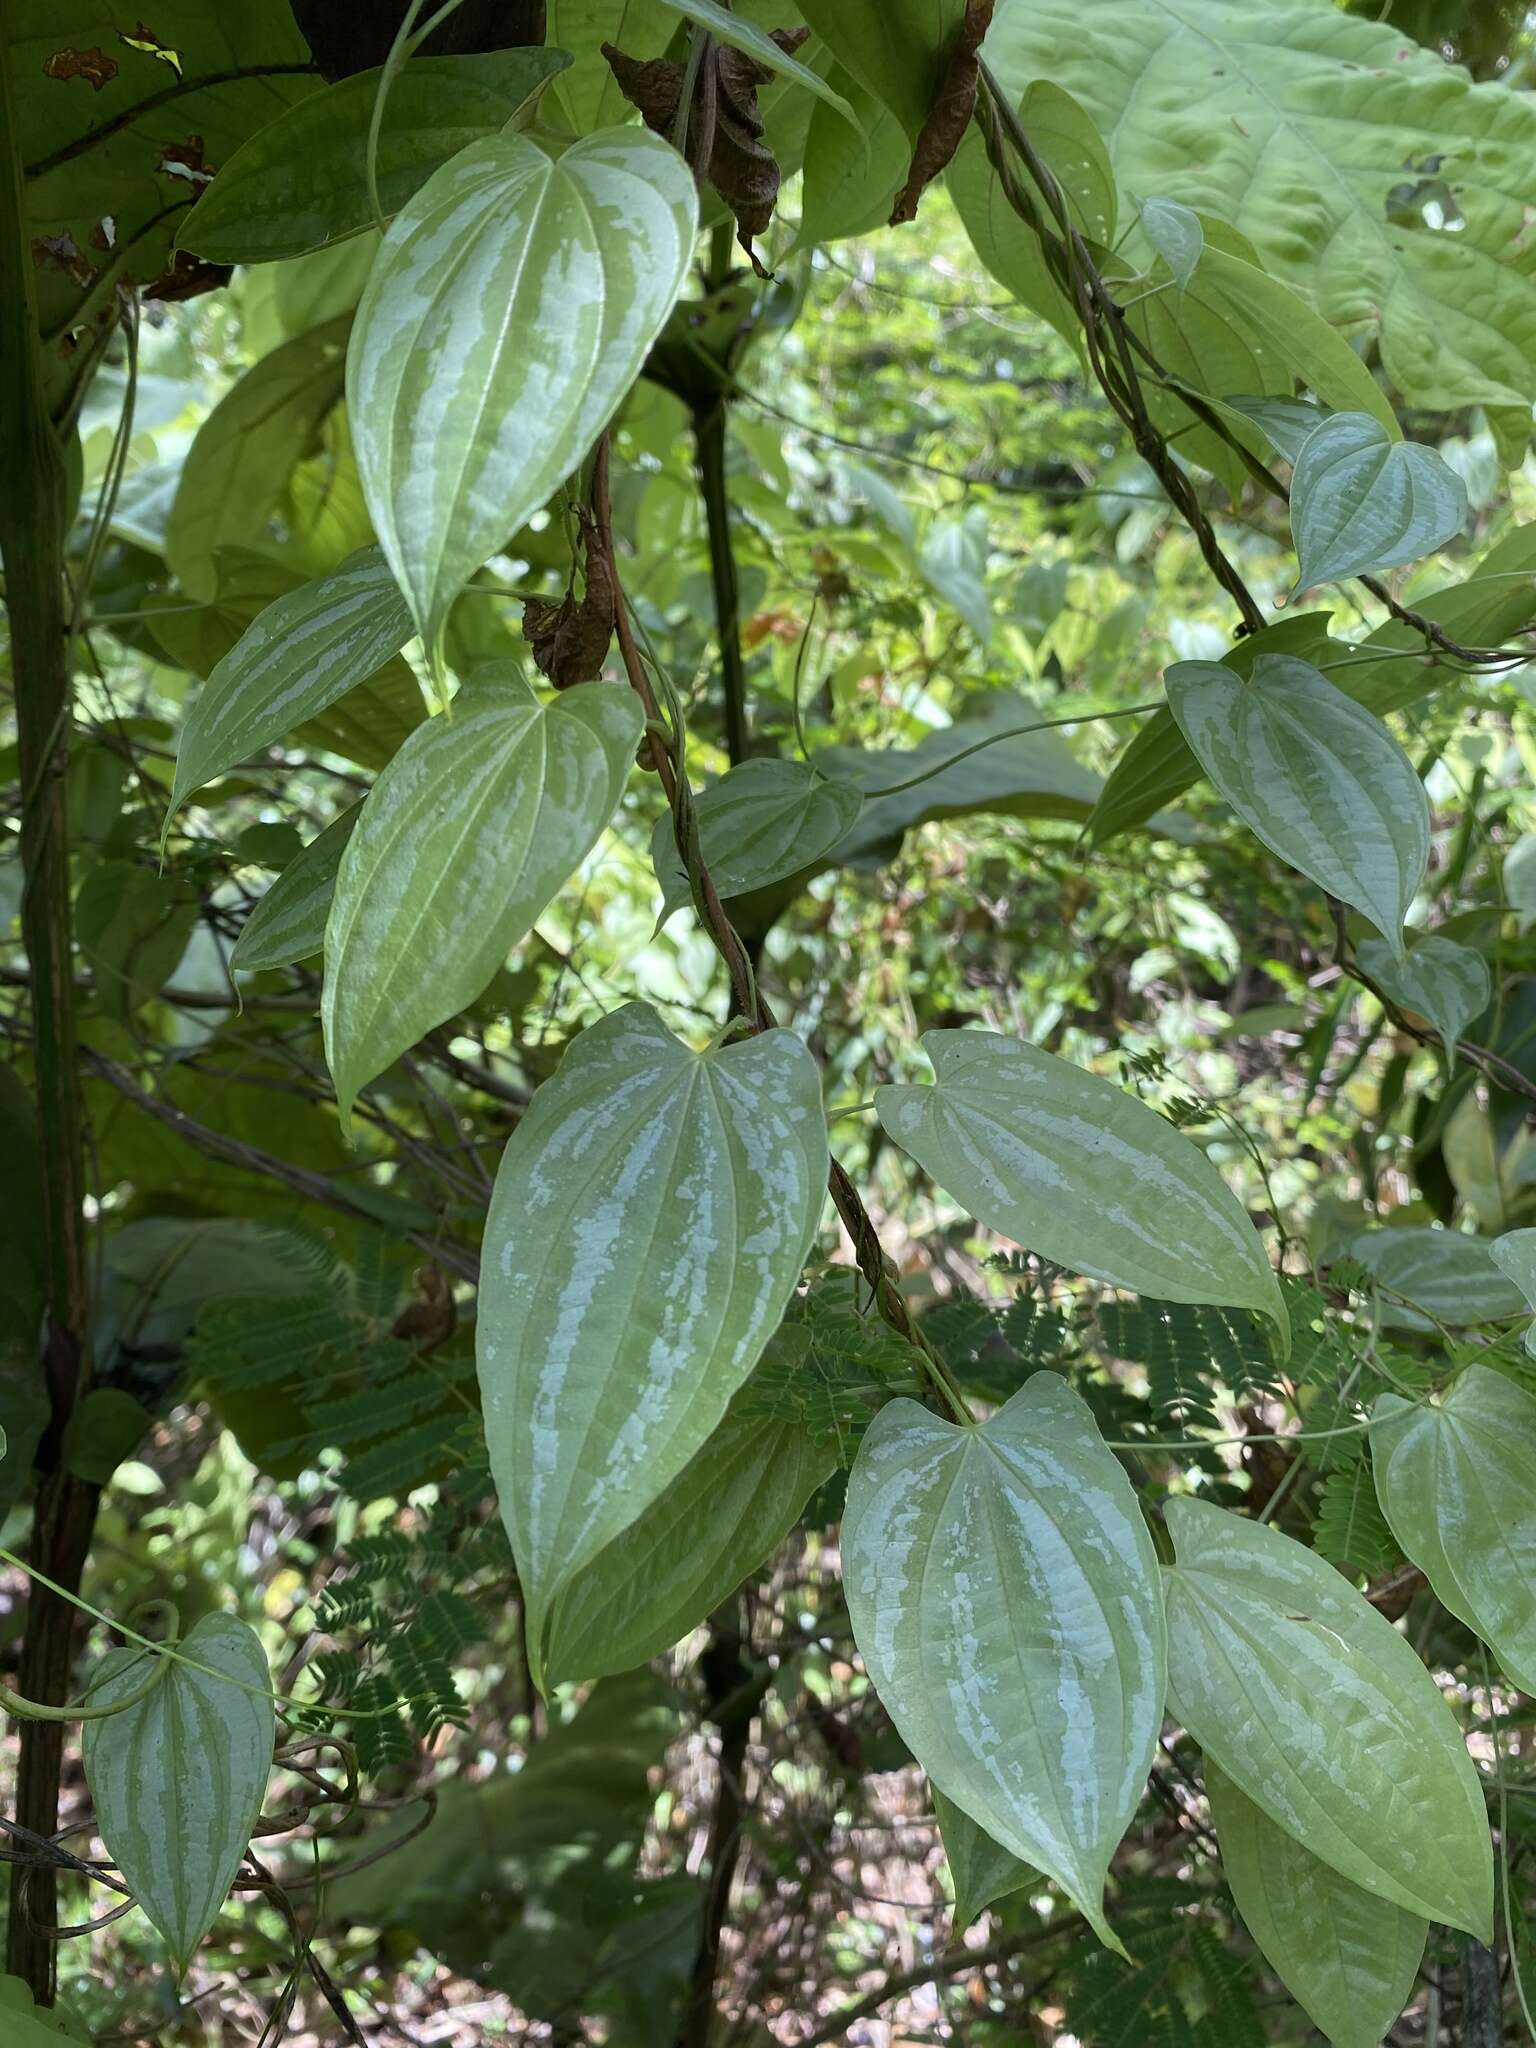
(1456, 1479)
(1005, 1600)
(1439, 979)
(301, 182)
(980, 1869)
(1314, 775)
(723, 1516)
(1317, 1708)
(1072, 1167)
(1449, 1275)
(481, 818)
(288, 923)
(297, 657)
(1286, 421)
(760, 822)
(652, 1213)
(178, 1780)
(1176, 234)
(1362, 502)
(1347, 1957)
(509, 311)
(1515, 1256)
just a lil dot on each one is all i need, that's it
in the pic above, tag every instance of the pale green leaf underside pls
(760, 822)
(1457, 1481)
(288, 923)
(1314, 775)
(1348, 1958)
(1004, 1597)
(1073, 1168)
(1285, 421)
(652, 1214)
(300, 655)
(510, 309)
(1449, 1274)
(722, 1517)
(1515, 1256)
(1319, 1710)
(1445, 982)
(1176, 234)
(178, 1780)
(980, 1869)
(301, 182)
(1362, 501)
(481, 818)
(1295, 122)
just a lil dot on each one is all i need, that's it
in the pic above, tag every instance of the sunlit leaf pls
(510, 309)
(652, 1213)
(1319, 1710)
(1004, 1596)
(178, 1780)
(1314, 775)
(1442, 981)
(1361, 501)
(483, 815)
(288, 923)
(1075, 1169)
(1347, 1957)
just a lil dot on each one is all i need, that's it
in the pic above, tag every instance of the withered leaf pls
(950, 116)
(93, 65)
(570, 638)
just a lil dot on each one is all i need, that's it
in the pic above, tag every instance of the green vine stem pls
(23, 1709)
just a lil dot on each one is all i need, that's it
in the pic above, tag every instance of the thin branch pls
(954, 1962)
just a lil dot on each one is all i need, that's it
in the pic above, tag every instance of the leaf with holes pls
(1319, 1710)
(1361, 502)
(483, 815)
(652, 1213)
(507, 314)
(1005, 1600)
(1077, 1171)
(1312, 774)
(1347, 1957)
(760, 822)
(980, 1869)
(288, 923)
(298, 657)
(723, 1516)
(178, 1780)
(1457, 1481)
(1444, 982)
(301, 182)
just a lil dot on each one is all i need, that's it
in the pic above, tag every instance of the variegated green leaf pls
(1361, 501)
(1347, 1957)
(721, 1518)
(301, 182)
(1176, 234)
(1070, 1166)
(980, 1869)
(509, 310)
(1005, 1600)
(1314, 775)
(652, 1213)
(1317, 1708)
(1446, 983)
(297, 657)
(288, 923)
(1515, 1256)
(1456, 1479)
(1449, 1275)
(483, 815)
(761, 821)
(178, 1780)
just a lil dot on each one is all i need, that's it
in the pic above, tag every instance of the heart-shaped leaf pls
(288, 923)
(1314, 775)
(1176, 234)
(760, 822)
(1515, 1256)
(1362, 502)
(1447, 983)
(1070, 1166)
(302, 181)
(297, 657)
(652, 1213)
(726, 1512)
(483, 815)
(1317, 1708)
(980, 1869)
(509, 310)
(1347, 1957)
(178, 1780)
(1004, 1596)
(1288, 422)
(1456, 1479)
(1452, 1276)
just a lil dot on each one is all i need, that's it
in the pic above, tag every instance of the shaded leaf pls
(1446, 983)
(1450, 1275)
(752, 41)
(1176, 234)
(980, 1869)
(288, 923)
(761, 821)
